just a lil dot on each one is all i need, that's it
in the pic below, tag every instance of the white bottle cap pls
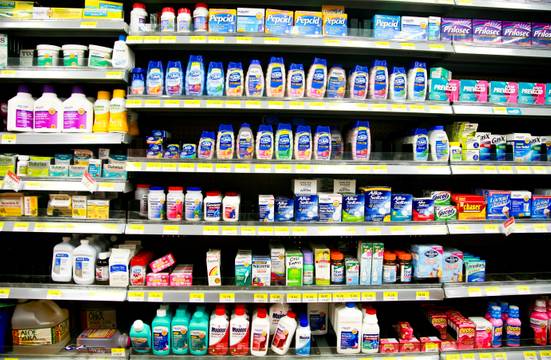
(84, 242)
(161, 312)
(104, 255)
(138, 325)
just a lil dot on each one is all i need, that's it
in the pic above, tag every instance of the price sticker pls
(276, 104)
(417, 108)
(134, 39)
(53, 294)
(283, 168)
(530, 355)
(276, 298)
(299, 230)
(211, 230)
(222, 168)
(349, 230)
(151, 39)
(398, 107)
(133, 103)
(252, 104)
(205, 167)
(453, 357)
(523, 289)
(523, 169)
(346, 296)
(197, 39)
(362, 169)
(422, 295)
(136, 296)
(369, 296)
(468, 356)
(397, 229)
(5, 293)
(493, 291)
(539, 170)
(171, 103)
(229, 230)
(196, 297)
(88, 25)
(500, 356)
(21, 226)
(436, 108)
(296, 104)
(462, 228)
(248, 230)
(316, 105)
(260, 298)
(135, 228)
(485, 356)
(171, 229)
(545, 354)
(217, 39)
(309, 297)
(499, 110)
(113, 75)
(332, 42)
(8, 139)
(464, 2)
(262, 168)
(294, 298)
(118, 352)
(271, 40)
(380, 169)
(324, 297)
(390, 296)
(489, 169)
(155, 296)
(153, 166)
(437, 47)
(379, 107)
(152, 103)
(244, 40)
(242, 168)
(304, 168)
(233, 104)
(373, 230)
(407, 45)
(491, 228)
(8, 72)
(226, 298)
(474, 291)
(281, 230)
(382, 44)
(265, 230)
(431, 347)
(215, 104)
(192, 103)
(540, 227)
(505, 169)
(168, 39)
(12, 181)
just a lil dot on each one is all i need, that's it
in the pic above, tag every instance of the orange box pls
(470, 207)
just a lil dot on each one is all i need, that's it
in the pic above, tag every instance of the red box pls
(138, 267)
(439, 320)
(430, 344)
(410, 345)
(404, 330)
(389, 345)
(470, 207)
(162, 263)
(158, 279)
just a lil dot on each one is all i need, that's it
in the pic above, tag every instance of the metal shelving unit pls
(70, 184)
(17, 73)
(62, 292)
(496, 227)
(505, 353)
(31, 138)
(83, 27)
(497, 288)
(500, 110)
(62, 226)
(500, 168)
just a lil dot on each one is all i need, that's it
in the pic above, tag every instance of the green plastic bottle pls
(140, 337)
(179, 332)
(161, 333)
(199, 332)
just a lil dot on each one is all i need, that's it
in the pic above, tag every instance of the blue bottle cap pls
(350, 305)
(514, 311)
(284, 126)
(234, 65)
(255, 62)
(156, 188)
(320, 61)
(191, 188)
(420, 132)
(265, 127)
(304, 128)
(398, 70)
(122, 37)
(303, 319)
(225, 127)
(379, 63)
(137, 70)
(321, 129)
(495, 312)
(419, 64)
(296, 67)
(246, 125)
(438, 127)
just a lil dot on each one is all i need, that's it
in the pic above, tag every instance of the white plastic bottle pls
(183, 21)
(275, 78)
(417, 81)
(439, 144)
(212, 206)
(358, 82)
(62, 261)
(359, 141)
(194, 204)
(303, 337)
(175, 203)
(20, 110)
(254, 82)
(48, 112)
(78, 112)
(296, 81)
(123, 56)
(245, 142)
(318, 318)
(284, 333)
(200, 16)
(230, 207)
(239, 332)
(398, 84)
(378, 80)
(370, 332)
(84, 263)
(336, 82)
(156, 200)
(168, 20)
(349, 329)
(277, 311)
(303, 143)
(260, 333)
(138, 18)
(316, 83)
(218, 332)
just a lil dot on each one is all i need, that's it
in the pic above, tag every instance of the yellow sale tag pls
(462, 228)
(242, 168)
(474, 291)
(192, 103)
(244, 39)
(168, 39)
(5, 293)
(545, 354)
(488, 169)
(407, 45)
(171, 229)
(383, 169)
(151, 39)
(260, 298)
(211, 230)
(54, 294)
(155, 296)
(262, 168)
(252, 104)
(523, 169)
(229, 230)
(310, 297)
(417, 108)
(136, 228)
(539, 169)
(346, 296)
(136, 296)
(204, 167)
(523, 289)
(217, 39)
(485, 356)
(153, 166)
(303, 168)
(373, 230)
(379, 107)
(227, 297)
(332, 42)
(491, 228)
(196, 297)
(133, 103)
(398, 107)
(382, 44)
(276, 104)
(118, 352)
(21, 226)
(530, 355)
(286, 168)
(422, 295)
(436, 108)
(493, 291)
(222, 167)
(132, 39)
(397, 229)
(390, 296)
(152, 103)
(197, 39)
(113, 75)
(453, 357)
(248, 230)
(8, 139)
(296, 104)
(316, 105)
(276, 298)
(170, 167)
(464, 2)
(540, 227)
(324, 297)
(294, 298)
(369, 296)
(233, 104)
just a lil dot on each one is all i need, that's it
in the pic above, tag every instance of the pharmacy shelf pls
(501, 110)
(284, 104)
(497, 288)
(69, 226)
(288, 167)
(116, 354)
(282, 294)
(62, 292)
(69, 184)
(325, 354)
(146, 227)
(500, 51)
(502, 353)
(500, 168)
(496, 227)
(510, 4)
(41, 28)
(32, 138)
(64, 74)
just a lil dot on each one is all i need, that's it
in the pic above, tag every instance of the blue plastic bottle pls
(174, 82)
(215, 79)
(155, 78)
(137, 86)
(140, 337)
(199, 332)
(179, 331)
(195, 76)
(161, 333)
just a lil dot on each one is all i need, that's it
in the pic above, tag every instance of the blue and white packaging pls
(377, 203)
(335, 24)
(499, 143)
(250, 20)
(284, 209)
(427, 261)
(278, 22)
(452, 266)
(330, 207)
(414, 28)
(189, 151)
(386, 26)
(353, 207)
(423, 209)
(308, 23)
(521, 204)
(401, 207)
(475, 270)
(541, 206)
(434, 28)
(498, 204)
(536, 148)
(306, 208)
(266, 208)
(518, 144)
(222, 20)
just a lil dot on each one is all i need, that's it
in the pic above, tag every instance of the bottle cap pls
(220, 311)
(495, 312)
(175, 188)
(143, 186)
(161, 312)
(255, 62)
(122, 37)
(84, 242)
(183, 11)
(168, 9)
(23, 89)
(261, 313)
(404, 256)
(389, 256)
(119, 93)
(66, 239)
(77, 90)
(303, 320)
(514, 311)
(48, 89)
(232, 193)
(137, 70)
(371, 311)
(104, 95)
(138, 325)
(336, 255)
(213, 193)
(291, 314)
(157, 188)
(540, 303)
(104, 255)
(138, 6)
(239, 311)
(201, 5)
(350, 305)
(193, 188)
(438, 127)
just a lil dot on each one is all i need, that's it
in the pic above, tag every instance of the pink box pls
(182, 276)
(158, 279)
(389, 345)
(430, 344)
(162, 263)
(452, 89)
(448, 345)
(411, 345)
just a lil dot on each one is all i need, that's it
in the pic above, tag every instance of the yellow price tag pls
(491, 228)
(21, 226)
(422, 295)
(136, 296)
(217, 39)
(226, 298)
(474, 291)
(54, 294)
(324, 297)
(233, 104)
(151, 39)
(373, 230)
(197, 39)
(215, 104)
(283, 168)
(211, 230)
(276, 298)
(397, 229)
(382, 44)
(229, 230)
(493, 291)
(523, 169)
(133, 103)
(155, 296)
(276, 104)
(196, 297)
(468, 356)
(407, 45)
(171, 103)
(523, 289)
(545, 354)
(539, 169)
(263, 168)
(265, 230)
(8, 72)
(369, 296)
(133, 39)
(113, 75)
(417, 107)
(390, 296)
(135, 228)
(485, 356)
(309, 297)
(379, 107)
(530, 355)
(332, 42)
(299, 230)
(88, 25)
(505, 169)
(248, 230)
(347, 296)
(489, 169)
(192, 103)
(170, 167)
(244, 40)
(152, 103)
(540, 227)
(8, 139)
(242, 168)
(204, 167)
(260, 298)
(500, 356)
(171, 229)
(462, 228)
(222, 167)
(253, 104)
(271, 40)
(294, 298)
(453, 357)
(296, 104)
(5, 293)
(281, 230)
(437, 47)
(303, 168)
(382, 169)
(118, 352)
(316, 105)
(398, 107)
(153, 166)
(168, 39)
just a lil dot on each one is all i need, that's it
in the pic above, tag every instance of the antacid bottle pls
(239, 332)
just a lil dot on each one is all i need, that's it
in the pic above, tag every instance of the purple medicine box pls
(516, 33)
(459, 30)
(486, 31)
(541, 34)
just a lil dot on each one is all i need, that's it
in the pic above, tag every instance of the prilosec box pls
(516, 33)
(386, 26)
(278, 22)
(458, 30)
(250, 20)
(541, 35)
(261, 271)
(222, 20)
(308, 23)
(294, 266)
(486, 31)
(243, 267)
(414, 28)
(365, 256)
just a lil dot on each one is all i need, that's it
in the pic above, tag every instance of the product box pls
(11, 204)
(105, 14)
(483, 332)
(414, 28)
(516, 33)
(377, 263)
(102, 4)
(427, 261)
(452, 266)
(308, 23)
(278, 22)
(58, 170)
(79, 206)
(222, 20)
(541, 206)
(16, 9)
(503, 92)
(518, 146)
(65, 13)
(138, 267)
(401, 206)
(473, 91)
(213, 267)
(294, 267)
(322, 264)
(531, 93)
(330, 207)
(445, 212)
(471, 155)
(243, 267)
(99, 318)
(475, 270)
(377, 203)
(353, 208)
(548, 94)
(435, 22)
(365, 256)
(344, 186)
(277, 256)
(7, 163)
(306, 208)
(284, 209)
(499, 143)
(305, 186)
(541, 35)
(182, 275)
(30, 206)
(162, 263)
(58, 205)
(438, 89)
(439, 197)
(389, 345)
(386, 26)
(38, 168)
(452, 90)
(486, 31)
(470, 207)
(335, 24)
(498, 204)
(423, 209)
(521, 204)
(158, 279)
(119, 270)
(458, 30)
(261, 270)
(440, 73)
(250, 20)
(538, 150)
(430, 344)
(410, 345)
(266, 204)
(97, 209)
(3, 51)
(352, 271)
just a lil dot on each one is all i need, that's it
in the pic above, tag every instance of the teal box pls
(548, 94)
(437, 89)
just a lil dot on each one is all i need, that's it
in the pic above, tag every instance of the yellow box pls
(59, 205)
(30, 206)
(11, 204)
(98, 209)
(80, 204)
(17, 9)
(102, 4)
(66, 13)
(7, 163)
(102, 14)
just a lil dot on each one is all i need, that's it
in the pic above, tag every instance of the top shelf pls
(42, 28)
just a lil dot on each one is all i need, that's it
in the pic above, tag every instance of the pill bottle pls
(212, 206)
(230, 207)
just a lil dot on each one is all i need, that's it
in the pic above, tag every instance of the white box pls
(262, 271)
(213, 267)
(322, 264)
(305, 187)
(266, 208)
(277, 256)
(365, 257)
(118, 267)
(41, 13)
(343, 186)
(330, 207)
(3, 51)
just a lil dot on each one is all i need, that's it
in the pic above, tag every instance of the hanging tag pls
(89, 182)
(12, 181)
(509, 226)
